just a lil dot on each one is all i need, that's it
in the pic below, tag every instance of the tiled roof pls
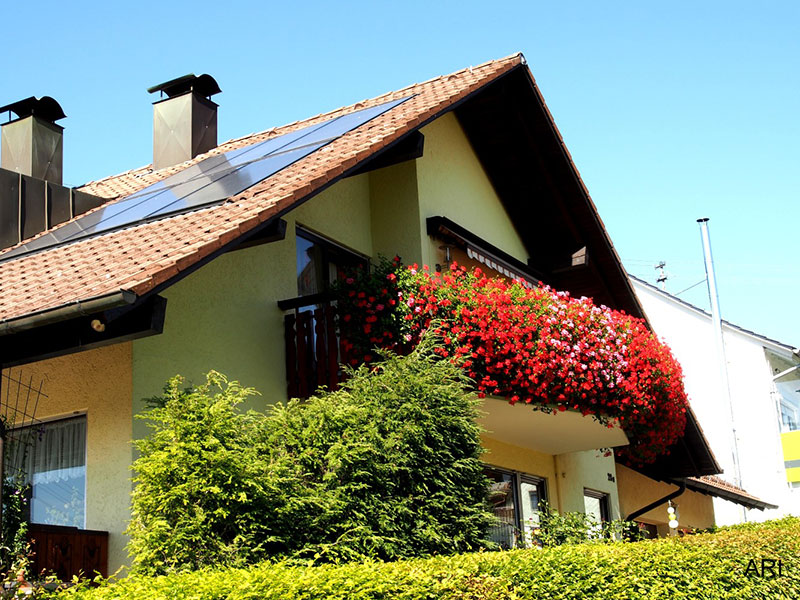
(139, 258)
(716, 486)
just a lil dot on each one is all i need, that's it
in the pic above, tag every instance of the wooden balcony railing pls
(68, 551)
(312, 345)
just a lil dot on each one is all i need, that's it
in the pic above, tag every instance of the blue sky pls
(672, 111)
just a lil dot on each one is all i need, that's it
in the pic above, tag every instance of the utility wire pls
(690, 287)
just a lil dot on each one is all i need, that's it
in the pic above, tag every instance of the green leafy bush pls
(709, 566)
(555, 529)
(386, 467)
(206, 492)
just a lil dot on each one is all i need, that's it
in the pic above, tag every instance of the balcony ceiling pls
(569, 431)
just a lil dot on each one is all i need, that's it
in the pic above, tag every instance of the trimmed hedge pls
(710, 566)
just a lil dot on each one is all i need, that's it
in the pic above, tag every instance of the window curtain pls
(56, 452)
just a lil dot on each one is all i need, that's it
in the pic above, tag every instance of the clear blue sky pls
(672, 111)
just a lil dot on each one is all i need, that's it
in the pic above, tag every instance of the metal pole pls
(719, 341)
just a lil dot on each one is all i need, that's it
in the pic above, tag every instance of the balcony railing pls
(68, 551)
(312, 345)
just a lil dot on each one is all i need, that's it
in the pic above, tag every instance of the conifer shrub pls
(386, 467)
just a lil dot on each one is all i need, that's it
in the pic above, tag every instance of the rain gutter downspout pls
(67, 311)
(672, 495)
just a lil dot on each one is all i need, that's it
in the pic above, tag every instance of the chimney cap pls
(45, 107)
(204, 85)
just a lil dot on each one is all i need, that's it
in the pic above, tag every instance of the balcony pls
(312, 345)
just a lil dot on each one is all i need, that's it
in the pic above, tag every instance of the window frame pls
(43, 422)
(517, 479)
(605, 505)
(330, 249)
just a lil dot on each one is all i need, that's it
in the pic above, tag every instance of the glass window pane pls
(309, 265)
(501, 500)
(787, 389)
(592, 508)
(529, 505)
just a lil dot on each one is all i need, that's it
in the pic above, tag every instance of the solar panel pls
(206, 183)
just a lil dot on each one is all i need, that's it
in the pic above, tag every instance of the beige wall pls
(97, 383)
(225, 316)
(395, 212)
(637, 491)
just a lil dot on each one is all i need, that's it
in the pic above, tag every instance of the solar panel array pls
(206, 183)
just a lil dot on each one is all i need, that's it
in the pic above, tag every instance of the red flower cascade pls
(536, 346)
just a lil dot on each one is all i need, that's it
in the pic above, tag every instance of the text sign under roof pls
(209, 182)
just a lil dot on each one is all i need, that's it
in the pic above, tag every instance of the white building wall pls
(689, 333)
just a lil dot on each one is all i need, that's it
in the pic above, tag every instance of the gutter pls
(64, 312)
(681, 488)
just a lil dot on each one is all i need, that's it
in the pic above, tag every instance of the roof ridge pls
(706, 313)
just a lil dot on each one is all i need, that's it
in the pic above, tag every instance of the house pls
(763, 405)
(218, 256)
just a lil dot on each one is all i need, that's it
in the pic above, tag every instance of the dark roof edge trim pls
(729, 495)
(67, 311)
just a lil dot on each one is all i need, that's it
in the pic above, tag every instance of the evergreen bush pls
(386, 467)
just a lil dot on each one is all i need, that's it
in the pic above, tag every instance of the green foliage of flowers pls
(707, 566)
(386, 467)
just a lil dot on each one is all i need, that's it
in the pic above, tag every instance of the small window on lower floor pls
(514, 498)
(595, 505)
(51, 459)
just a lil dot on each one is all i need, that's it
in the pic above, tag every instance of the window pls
(787, 389)
(595, 505)
(319, 263)
(52, 459)
(514, 499)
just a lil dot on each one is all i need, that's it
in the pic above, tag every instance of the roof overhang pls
(720, 489)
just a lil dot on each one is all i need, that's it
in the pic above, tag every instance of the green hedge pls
(708, 566)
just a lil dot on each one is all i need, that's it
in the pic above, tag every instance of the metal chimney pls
(185, 122)
(32, 144)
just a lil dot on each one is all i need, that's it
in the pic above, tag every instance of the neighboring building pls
(764, 383)
(219, 259)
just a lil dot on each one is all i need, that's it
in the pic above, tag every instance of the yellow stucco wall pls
(636, 491)
(790, 441)
(452, 183)
(524, 460)
(225, 315)
(395, 212)
(589, 469)
(97, 383)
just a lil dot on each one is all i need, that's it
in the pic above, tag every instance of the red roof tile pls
(144, 256)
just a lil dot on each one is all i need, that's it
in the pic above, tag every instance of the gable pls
(452, 183)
